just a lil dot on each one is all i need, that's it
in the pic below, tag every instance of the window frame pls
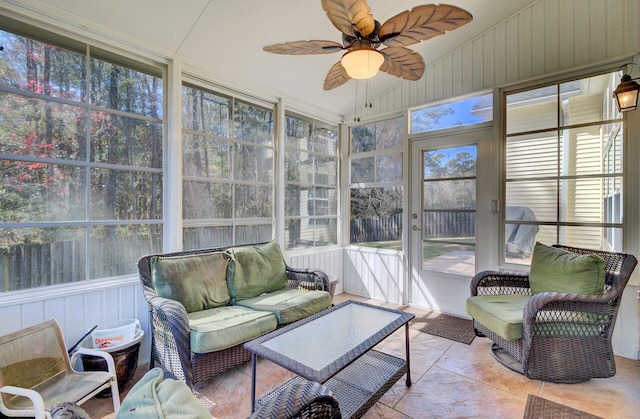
(233, 221)
(322, 219)
(399, 184)
(622, 126)
(86, 161)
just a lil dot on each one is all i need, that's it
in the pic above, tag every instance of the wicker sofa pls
(204, 304)
(555, 331)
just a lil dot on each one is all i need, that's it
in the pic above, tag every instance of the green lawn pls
(430, 249)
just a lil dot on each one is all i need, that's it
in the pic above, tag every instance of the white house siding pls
(548, 36)
(535, 155)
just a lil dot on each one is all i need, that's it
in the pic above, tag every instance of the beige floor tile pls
(443, 394)
(228, 395)
(617, 397)
(476, 362)
(379, 411)
(269, 374)
(431, 340)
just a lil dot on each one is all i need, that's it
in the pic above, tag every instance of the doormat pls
(539, 408)
(446, 326)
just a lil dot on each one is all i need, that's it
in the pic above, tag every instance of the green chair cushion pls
(153, 397)
(557, 270)
(254, 270)
(224, 327)
(289, 304)
(502, 314)
(197, 281)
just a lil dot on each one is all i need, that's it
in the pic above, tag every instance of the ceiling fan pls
(362, 36)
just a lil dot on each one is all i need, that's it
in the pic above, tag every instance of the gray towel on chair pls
(152, 397)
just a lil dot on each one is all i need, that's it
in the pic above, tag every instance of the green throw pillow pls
(254, 270)
(197, 281)
(557, 270)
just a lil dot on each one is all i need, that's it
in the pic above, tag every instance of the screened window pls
(311, 179)
(81, 144)
(227, 170)
(564, 178)
(376, 190)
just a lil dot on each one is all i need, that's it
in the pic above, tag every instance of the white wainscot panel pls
(77, 310)
(626, 333)
(329, 260)
(372, 273)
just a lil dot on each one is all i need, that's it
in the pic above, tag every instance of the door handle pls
(415, 228)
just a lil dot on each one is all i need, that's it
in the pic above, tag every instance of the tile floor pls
(451, 380)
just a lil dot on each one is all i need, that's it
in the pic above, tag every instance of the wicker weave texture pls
(300, 399)
(356, 388)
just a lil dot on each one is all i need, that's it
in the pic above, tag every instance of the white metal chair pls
(36, 373)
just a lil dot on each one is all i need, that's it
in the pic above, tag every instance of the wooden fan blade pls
(402, 62)
(304, 47)
(347, 15)
(337, 76)
(422, 23)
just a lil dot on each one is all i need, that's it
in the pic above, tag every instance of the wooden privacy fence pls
(445, 224)
(437, 224)
(28, 266)
(376, 229)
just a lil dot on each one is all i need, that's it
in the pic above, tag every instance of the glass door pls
(445, 217)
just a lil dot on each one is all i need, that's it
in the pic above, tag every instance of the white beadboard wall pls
(373, 273)
(329, 260)
(546, 37)
(78, 310)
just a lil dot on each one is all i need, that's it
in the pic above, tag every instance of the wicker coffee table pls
(334, 348)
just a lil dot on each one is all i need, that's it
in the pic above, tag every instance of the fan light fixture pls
(362, 63)
(626, 93)
(363, 36)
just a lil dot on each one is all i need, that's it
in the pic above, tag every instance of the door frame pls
(487, 204)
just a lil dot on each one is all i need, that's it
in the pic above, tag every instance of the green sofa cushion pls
(502, 314)
(224, 327)
(155, 397)
(197, 281)
(557, 270)
(289, 304)
(254, 270)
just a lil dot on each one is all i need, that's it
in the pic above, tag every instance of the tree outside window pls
(376, 191)
(81, 164)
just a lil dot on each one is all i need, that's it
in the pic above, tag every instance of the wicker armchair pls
(566, 337)
(170, 333)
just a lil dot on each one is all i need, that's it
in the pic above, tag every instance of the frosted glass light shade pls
(626, 94)
(362, 63)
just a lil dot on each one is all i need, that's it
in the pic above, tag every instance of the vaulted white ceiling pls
(225, 38)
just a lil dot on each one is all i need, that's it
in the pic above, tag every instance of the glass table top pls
(319, 346)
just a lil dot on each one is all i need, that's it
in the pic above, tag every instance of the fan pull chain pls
(356, 118)
(367, 103)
